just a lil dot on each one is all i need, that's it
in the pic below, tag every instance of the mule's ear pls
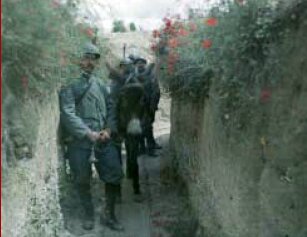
(150, 68)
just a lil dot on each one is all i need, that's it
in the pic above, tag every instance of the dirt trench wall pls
(251, 182)
(30, 179)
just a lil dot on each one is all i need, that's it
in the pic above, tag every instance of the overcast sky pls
(147, 14)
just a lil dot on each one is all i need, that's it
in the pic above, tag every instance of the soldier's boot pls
(138, 196)
(110, 220)
(142, 149)
(87, 205)
(119, 196)
(88, 224)
(128, 169)
(154, 144)
(151, 144)
(157, 146)
(88, 221)
(151, 140)
(151, 152)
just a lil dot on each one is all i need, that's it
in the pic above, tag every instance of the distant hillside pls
(137, 43)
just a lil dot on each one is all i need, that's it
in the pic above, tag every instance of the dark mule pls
(130, 111)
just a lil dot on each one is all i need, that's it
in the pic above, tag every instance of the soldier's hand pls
(93, 136)
(104, 135)
(109, 65)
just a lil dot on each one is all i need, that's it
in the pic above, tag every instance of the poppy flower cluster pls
(265, 95)
(193, 27)
(24, 82)
(211, 21)
(172, 59)
(183, 32)
(206, 44)
(156, 34)
(173, 43)
(172, 29)
(63, 59)
(89, 32)
(174, 34)
(154, 47)
(56, 4)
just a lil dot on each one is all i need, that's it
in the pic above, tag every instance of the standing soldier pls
(152, 98)
(87, 115)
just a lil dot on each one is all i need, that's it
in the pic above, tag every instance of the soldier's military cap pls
(139, 59)
(90, 48)
(125, 62)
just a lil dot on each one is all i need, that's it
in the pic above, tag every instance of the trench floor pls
(165, 211)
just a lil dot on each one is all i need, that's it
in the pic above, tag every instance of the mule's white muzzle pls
(134, 127)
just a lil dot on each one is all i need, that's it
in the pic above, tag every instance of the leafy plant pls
(132, 26)
(232, 55)
(119, 26)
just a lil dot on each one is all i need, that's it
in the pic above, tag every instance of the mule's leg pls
(129, 163)
(148, 134)
(132, 147)
(142, 147)
(134, 162)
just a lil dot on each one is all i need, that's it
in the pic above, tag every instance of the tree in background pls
(132, 26)
(119, 26)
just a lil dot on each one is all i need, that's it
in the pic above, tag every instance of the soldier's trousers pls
(108, 167)
(148, 130)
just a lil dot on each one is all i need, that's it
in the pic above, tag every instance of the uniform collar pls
(87, 76)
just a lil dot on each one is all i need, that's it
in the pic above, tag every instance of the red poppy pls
(211, 21)
(154, 47)
(156, 34)
(170, 69)
(89, 32)
(173, 55)
(265, 95)
(56, 4)
(156, 214)
(178, 24)
(171, 60)
(173, 43)
(158, 235)
(193, 27)
(168, 22)
(177, 16)
(183, 32)
(207, 44)
(63, 60)
(24, 82)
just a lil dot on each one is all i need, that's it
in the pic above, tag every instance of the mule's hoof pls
(112, 223)
(157, 146)
(152, 153)
(88, 224)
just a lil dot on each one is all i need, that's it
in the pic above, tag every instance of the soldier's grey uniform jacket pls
(86, 105)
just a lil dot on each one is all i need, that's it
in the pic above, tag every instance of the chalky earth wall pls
(242, 152)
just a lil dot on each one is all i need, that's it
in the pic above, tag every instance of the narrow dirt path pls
(158, 216)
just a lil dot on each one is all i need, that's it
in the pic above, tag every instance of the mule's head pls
(131, 109)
